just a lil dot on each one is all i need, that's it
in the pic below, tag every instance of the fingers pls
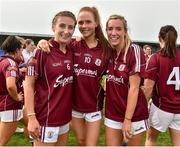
(127, 135)
(43, 45)
(35, 134)
(125, 138)
(20, 96)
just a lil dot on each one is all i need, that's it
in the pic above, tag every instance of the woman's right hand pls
(43, 45)
(34, 128)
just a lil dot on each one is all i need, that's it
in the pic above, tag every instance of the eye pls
(118, 28)
(80, 22)
(88, 21)
(70, 27)
(109, 28)
(62, 25)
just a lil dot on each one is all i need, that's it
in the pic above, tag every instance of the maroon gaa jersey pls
(53, 85)
(165, 72)
(118, 84)
(8, 68)
(88, 68)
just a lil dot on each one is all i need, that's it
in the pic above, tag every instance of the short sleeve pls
(11, 71)
(152, 68)
(10, 68)
(35, 65)
(136, 61)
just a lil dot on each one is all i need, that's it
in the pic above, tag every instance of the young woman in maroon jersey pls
(48, 86)
(126, 109)
(91, 54)
(11, 95)
(163, 84)
(90, 61)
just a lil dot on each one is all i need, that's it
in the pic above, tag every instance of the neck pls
(62, 47)
(11, 55)
(120, 48)
(91, 41)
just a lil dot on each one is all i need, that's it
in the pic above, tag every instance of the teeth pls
(114, 39)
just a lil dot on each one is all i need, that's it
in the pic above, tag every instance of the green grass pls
(18, 139)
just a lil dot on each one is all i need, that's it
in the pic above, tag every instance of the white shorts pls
(11, 115)
(138, 126)
(51, 134)
(90, 117)
(161, 120)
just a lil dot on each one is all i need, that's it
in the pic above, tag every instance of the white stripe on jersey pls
(138, 57)
(13, 73)
(31, 71)
(12, 63)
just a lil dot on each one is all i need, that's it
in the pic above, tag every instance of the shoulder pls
(10, 62)
(136, 49)
(75, 45)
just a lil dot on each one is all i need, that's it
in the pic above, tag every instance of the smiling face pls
(63, 29)
(86, 24)
(115, 32)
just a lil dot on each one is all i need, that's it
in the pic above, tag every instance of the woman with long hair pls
(126, 112)
(163, 85)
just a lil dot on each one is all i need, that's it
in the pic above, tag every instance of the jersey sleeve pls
(152, 68)
(35, 65)
(11, 71)
(137, 61)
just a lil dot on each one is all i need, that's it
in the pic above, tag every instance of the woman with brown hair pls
(162, 83)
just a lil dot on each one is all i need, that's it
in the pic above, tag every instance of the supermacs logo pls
(115, 79)
(63, 81)
(87, 72)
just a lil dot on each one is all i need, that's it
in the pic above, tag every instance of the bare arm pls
(134, 82)
(12, 89)
(148, 87)
(33, 124)
(29, 94)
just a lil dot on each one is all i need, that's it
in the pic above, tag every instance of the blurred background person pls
(28, 50)
(147, 51)
(11, 95)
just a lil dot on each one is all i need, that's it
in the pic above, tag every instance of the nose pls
(113, 32)
(66, 30)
